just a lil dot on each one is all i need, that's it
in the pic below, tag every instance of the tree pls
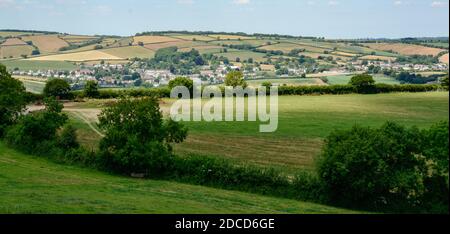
(137, 138)
(184, 82)
(363, 83)
(58, 88)
(444, 82)
(91, 89)
(234, 79)
(68, 138)
(390, 167)
(12, 99)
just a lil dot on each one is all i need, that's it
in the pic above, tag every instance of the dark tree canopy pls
(58, 88)
(12, 99)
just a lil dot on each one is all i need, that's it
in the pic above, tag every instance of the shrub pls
(234, 79)
(137, 138)
(385, 168)
(68, 138)
(91, 89)
(183, 82)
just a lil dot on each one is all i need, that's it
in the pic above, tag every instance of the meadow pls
(26, 65)
(304, 122)
(344, 79)
(35, 185)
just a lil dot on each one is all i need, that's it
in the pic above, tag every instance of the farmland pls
(46, 43)
(34, 185)
(304, 121)
(78, 56)
(405, 49)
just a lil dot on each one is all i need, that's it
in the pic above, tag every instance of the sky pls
(332, 19)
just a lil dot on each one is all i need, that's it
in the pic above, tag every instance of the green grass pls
(243, 55)
(282, 81)
(33, 86)
(345, 79)
(35, 185)
(38, 65)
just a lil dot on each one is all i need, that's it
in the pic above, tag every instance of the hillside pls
(34, 185)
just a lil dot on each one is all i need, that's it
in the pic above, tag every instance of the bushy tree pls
(91, 89)
(234, 79)
(12, 99)
(34, 130)
(68, 138)
(137, 138)
(58, 88)
(363, 83)
(390, 167)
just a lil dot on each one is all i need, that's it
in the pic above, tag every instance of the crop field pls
(252, 42)
(46, 43)
(130, 52)
(35, 185)
(192, 37)
(32, 85)
(178, 44)
(13, 42)
(78, 57)
(377, 57)
(230, 37)
(288, 47)
(304, 121)
(77, 39)
(405, 49)
(153, 39)
(15, 51)
(16, 33)
(205, 49)
(27, 65)
(444, 58)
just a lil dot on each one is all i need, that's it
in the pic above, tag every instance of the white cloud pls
(398, 3)
(6, 3)
(185, 2)
(333, 3)
(241, 2)
(437, 4)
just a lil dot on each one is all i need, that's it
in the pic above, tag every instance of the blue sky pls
(327, 18)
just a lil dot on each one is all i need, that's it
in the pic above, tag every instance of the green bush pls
(91, 89)
(57, 88)
(363, 83)
(386, 168)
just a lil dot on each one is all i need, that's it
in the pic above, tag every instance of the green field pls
(304, 121)
(244, 55)
(38, 65)
(34, 185)
(282, 81)
(345, 79)
(33, 86)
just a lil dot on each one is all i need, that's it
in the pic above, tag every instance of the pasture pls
(289, 82)
(304, 121)
(244, 55)
(229, 37)
(153, 39)
(36, 185)
(32, 85)
(345, 79)
(34, 65)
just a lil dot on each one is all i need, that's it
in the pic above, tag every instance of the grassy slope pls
(38, 65)
(34, 185)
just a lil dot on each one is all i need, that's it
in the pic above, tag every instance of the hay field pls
(153, 39)
(179, 44)
(15, 34)
(192, 37)
(39, 65)
(77, 39)
(229, 37)
(405, 49)
(444, 58)
(377, 57)
(15, 51)
(130, 52)
(47, 43)
(288, 47)
(13, 42)
(78, 57)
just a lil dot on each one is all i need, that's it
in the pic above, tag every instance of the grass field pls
(192, 37)
(38, 65)
(130, 52)
(377, 57)
(153, 39)
(244, 55)
(304, 121)
(32, 86)
(34, 185)
(229, 37)
(289, 82)
(345, 79)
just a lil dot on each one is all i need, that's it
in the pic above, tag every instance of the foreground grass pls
(35, 185)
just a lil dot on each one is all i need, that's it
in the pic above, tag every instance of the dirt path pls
(80, 115)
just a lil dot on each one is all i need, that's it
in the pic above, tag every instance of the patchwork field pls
(377, 57)
(32, 85)
(288, 47)
(405, 49)
(13, 41)
(229, 37)
(16, 33)
(77, 39)
(192, 37)
(153, 39)
(78, 57)
(15, 51)
(130, 52)
(289, 82)
(345, 79)
(46, 43)
(244, 55)
(35, 185)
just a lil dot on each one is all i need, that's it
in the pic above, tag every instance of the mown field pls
(304, 122)
(34, 185)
